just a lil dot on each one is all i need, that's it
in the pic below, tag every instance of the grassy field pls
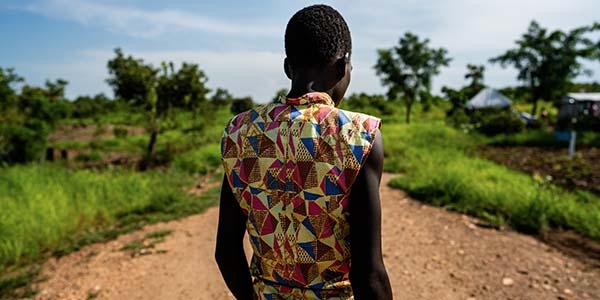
(47, 208)
(440, 168)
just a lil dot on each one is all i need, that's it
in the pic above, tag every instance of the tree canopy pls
(408, 68)
(548, 60)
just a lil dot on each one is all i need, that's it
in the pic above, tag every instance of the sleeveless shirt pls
(291, 166)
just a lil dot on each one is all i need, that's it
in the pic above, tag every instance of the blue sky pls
(239, 44)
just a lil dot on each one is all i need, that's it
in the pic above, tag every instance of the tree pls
(184, 88)
(26, 118)
(407, 69)
(221, 97)
(548, 61)
(239, 105)
(475, 73)
(370, 104)
(8, 78)
(456, 98)
(130, 78)
(158, 91)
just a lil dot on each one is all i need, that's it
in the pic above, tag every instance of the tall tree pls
(157, 90)
(130, 78)
(26, 118)
(548, 61)
(475, 74)
(407, 69)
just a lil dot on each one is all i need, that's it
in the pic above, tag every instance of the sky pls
(239, 44)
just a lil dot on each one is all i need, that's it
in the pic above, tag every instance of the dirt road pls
(429, 253)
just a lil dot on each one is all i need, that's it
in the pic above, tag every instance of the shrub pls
(199, 162)
(23, 144)
(497, 123)
(93, 155)
(120, 132)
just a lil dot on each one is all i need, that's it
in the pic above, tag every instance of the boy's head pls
(317, 38)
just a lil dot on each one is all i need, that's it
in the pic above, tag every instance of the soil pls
(87, 133)
(429, 253)
(578, 172)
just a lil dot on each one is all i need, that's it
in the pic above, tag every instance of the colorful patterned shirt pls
(291, 166)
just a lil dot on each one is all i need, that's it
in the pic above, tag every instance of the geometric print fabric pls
(291, 166)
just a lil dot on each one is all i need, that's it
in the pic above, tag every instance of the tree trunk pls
(408, 107)
(534, 96)
(152, 143)
(534, 106)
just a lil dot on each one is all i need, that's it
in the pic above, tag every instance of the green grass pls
(440, 168)
(199, 161)
(48, 209)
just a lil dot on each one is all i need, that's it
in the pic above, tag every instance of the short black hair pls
(316, 35)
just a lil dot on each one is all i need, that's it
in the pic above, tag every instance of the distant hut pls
(488, 98)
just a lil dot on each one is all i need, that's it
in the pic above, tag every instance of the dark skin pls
(368, 276)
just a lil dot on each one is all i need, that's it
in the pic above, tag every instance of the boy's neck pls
(302, 85)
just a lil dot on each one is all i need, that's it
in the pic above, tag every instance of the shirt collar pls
(309, 98)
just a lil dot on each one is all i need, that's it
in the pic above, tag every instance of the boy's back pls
(302, 178)
(291, 166)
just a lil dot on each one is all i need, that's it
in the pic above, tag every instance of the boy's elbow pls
(371, 285)
(221, 257)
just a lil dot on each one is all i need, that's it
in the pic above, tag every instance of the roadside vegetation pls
(85, 170)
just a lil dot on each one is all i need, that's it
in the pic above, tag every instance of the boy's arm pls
(229, 252)
(368, 276)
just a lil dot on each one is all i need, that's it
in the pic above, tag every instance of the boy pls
(302, 178)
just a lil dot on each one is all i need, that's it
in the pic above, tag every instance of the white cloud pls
(471, 30)
(140, 22)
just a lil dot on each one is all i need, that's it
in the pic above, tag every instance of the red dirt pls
(429, 253)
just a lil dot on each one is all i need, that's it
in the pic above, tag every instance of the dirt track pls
(429, 254)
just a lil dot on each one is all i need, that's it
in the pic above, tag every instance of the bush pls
(503, 122)
(93, 155)
(23, 144)
(458, 119)
(241, 105)
(120, 132)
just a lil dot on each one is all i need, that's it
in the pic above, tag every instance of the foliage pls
(221, 98)
(496, 122)
(475, 73)
(547, 61)
(95, 107)
(584, 87)
(26, 118)
(407, 69)
(239, 105)
(457, 98)
(158, 92)
(130, 78)
(201, 161)
(184, 88)
(278, 94)
(375, 105)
